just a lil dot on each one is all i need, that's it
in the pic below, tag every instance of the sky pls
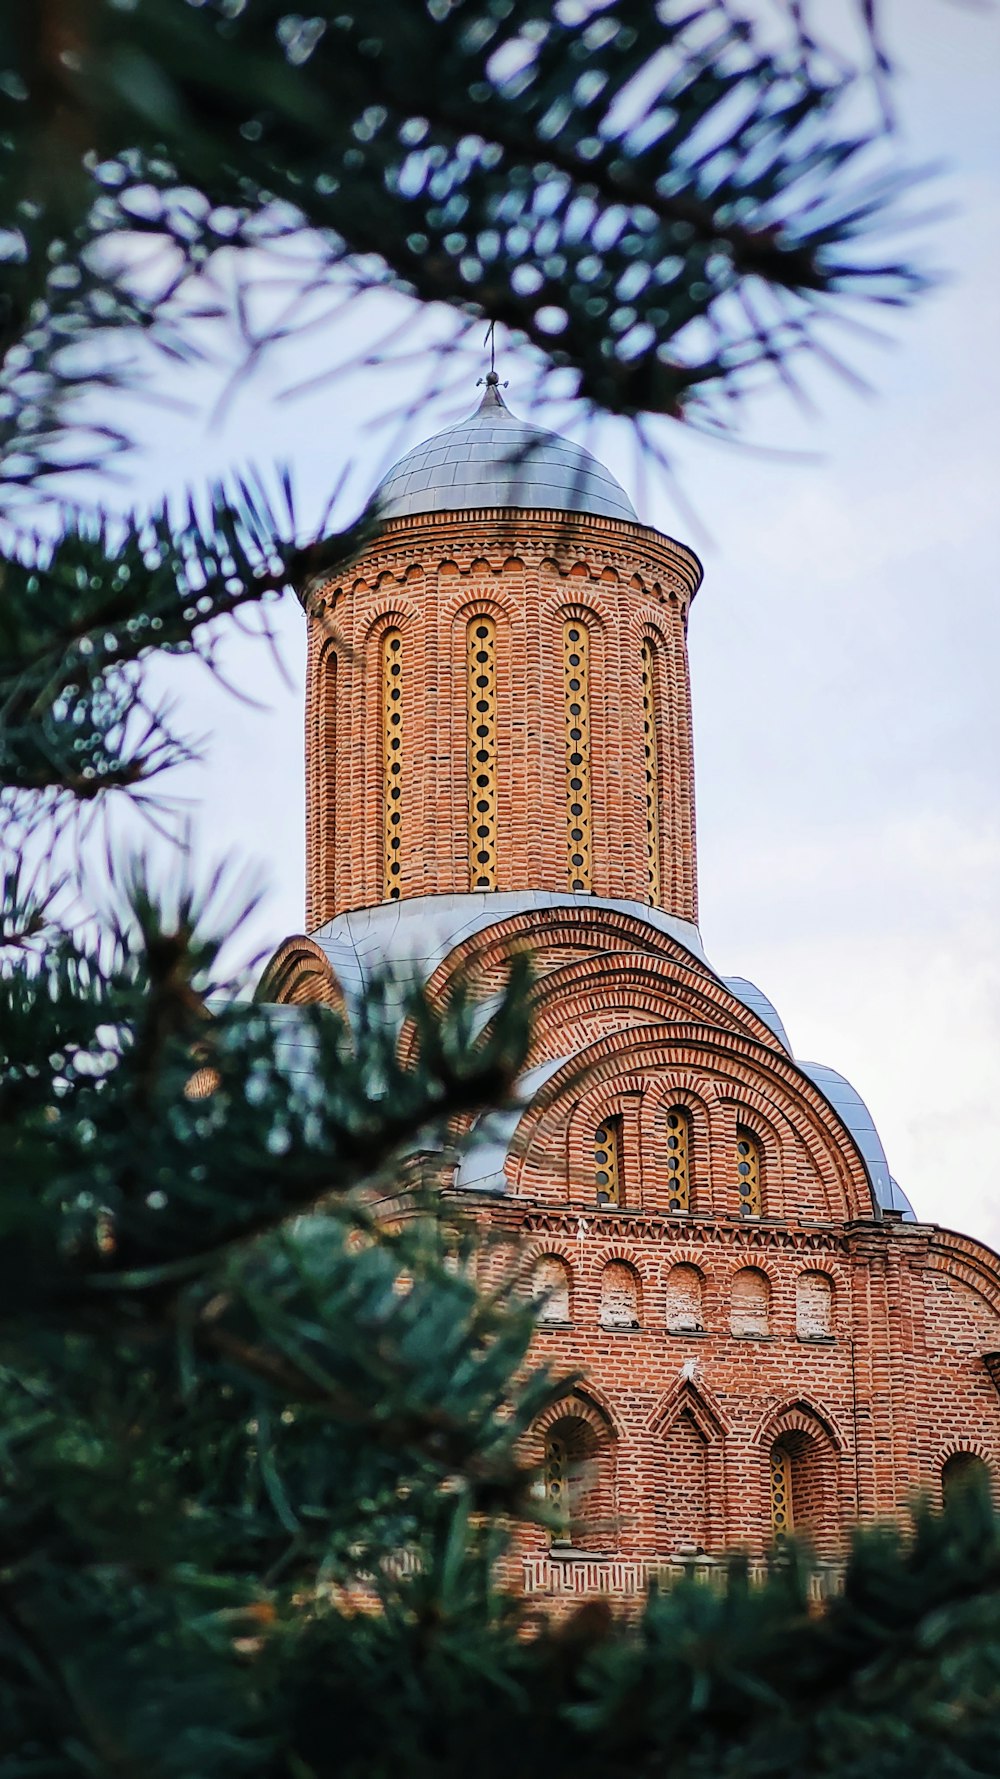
(845, 649)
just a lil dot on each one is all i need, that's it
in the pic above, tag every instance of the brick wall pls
(429, 578)
(704, 1338)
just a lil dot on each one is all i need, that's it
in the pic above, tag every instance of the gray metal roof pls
(410, 938)
(413, 936)
(852, 1111)
(493, 459)
(757, 1001)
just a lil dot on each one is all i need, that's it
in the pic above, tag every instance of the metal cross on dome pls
(491, 378)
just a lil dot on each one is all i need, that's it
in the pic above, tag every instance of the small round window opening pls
(678, 1179)
(392, 764)
(576, 689)
(748, 1173)
(607, 1162)
(781, 1493)
(482, 753)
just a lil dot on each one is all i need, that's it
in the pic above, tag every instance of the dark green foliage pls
(668, 200)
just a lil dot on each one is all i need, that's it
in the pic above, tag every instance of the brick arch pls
(970, 1262)
(597, 937)
(610, 1311)
(622, 983)
(816, 1452)
(749, 1260)
(324, 679)
(593, 612)
(669, 1287)
(590, 1443)
(798, 1415)
(963, 1446)
(464, 605)
(584, 1403)
(695, 1098)
(608, 1252)
(300, 973)
(614, 1099)
(548, 1252)
(755, 1113)
(399, 615)
(697, 1398)
(750, 1319)
(573, 926)
(733, 1060)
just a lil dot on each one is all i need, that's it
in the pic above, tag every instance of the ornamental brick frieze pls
(483, 540)
(738, 1238)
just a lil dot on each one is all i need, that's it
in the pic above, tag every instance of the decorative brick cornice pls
(737, 1238)
(482, 540)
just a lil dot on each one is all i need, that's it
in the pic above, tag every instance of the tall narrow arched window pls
(392, 764)
(481, 699)
(748, 1173)
(782, 1521)
(576, 685)
(557, 1488)
(323, 773)
(678, 1179)
(961, 1474)
(651, 748)
(608, 1161)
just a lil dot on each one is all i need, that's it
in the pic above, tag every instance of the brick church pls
(499, 756)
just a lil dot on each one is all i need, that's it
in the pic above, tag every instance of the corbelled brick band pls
(531, 574)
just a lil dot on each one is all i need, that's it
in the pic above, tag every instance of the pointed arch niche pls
(689, 1479)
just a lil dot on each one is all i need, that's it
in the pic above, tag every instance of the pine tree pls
(260, 1430)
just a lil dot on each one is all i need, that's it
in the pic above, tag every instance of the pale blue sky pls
(845, 653)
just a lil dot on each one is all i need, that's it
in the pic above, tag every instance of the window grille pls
(392, 764)
(557, 1489)
(678, 1182)
(781, 1492)
(651, 747)
(748, 1173)
(576, 677)
(482, 727)
(607, 1161)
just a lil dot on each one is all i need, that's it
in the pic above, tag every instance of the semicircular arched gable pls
(970, 1262)
(735, 1062)
(300, 974)
(579, 999)
(564, 935)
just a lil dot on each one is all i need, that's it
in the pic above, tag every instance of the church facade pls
(499, 757)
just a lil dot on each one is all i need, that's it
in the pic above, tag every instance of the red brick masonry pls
(850, 1342)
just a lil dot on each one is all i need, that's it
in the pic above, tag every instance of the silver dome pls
(495, 460)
